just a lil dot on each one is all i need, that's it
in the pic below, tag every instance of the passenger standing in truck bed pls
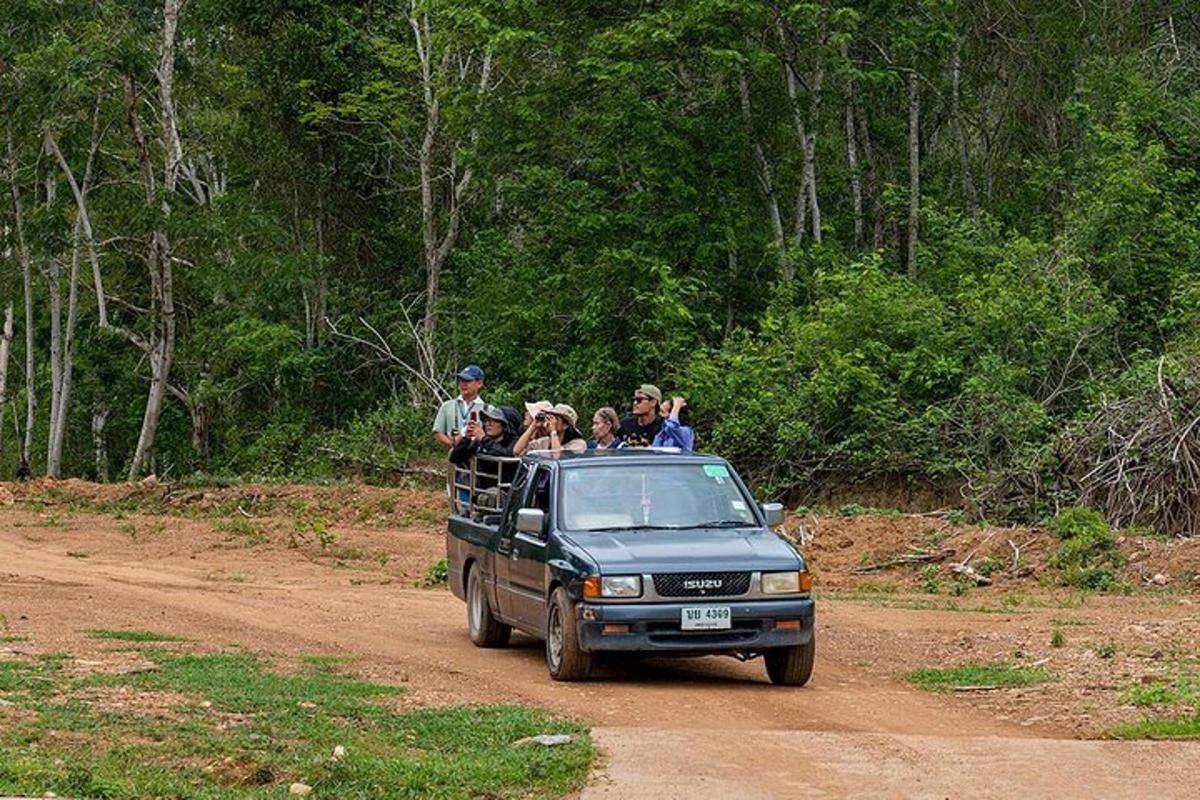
(554, 431)
(494, 436)
(639, 428)
(453, 415)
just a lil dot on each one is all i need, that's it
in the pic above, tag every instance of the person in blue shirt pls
(676, 426)
(605, 427)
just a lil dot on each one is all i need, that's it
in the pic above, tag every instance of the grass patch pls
(1181, 690)
(1178, 728)
(236, 729)
(133, 635)
(241, 532)
(977, 675)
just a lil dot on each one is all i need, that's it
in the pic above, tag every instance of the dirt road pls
(697, 728)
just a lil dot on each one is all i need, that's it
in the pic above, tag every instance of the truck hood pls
(695, 550)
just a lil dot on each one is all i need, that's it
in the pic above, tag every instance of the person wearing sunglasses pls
(639, 428)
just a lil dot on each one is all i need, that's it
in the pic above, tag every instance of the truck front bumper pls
(657, 627)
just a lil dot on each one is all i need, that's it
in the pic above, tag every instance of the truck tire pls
(485, 629)
(564, 659)
(791, 666)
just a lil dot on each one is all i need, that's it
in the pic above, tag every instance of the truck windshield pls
(662, 496)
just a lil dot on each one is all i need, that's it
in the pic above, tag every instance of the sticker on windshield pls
(716, 470)
(738, 505)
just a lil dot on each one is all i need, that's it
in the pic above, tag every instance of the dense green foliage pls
(715, 196)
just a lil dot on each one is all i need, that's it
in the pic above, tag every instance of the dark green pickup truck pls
(628, 551)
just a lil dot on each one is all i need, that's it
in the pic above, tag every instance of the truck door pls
(504, 543)
(526, 562)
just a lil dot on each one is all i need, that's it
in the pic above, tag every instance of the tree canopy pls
(925, 242)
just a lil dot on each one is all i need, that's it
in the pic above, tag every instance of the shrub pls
(1088, 554)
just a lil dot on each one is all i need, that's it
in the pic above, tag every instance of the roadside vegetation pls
(133, 635)
(977, 677)
(229, 725)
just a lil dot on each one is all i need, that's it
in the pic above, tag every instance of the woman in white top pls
(553, 430)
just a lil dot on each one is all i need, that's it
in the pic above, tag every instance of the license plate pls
(706, 618)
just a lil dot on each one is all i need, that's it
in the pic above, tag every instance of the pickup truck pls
(627, 551)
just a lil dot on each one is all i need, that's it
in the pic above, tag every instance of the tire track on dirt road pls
(710, 727)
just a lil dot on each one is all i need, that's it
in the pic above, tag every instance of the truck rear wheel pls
(485, 629)
(791, 666)
(564, 659)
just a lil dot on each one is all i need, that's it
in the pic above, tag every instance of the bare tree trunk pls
(99, 420)
(317, 312)
(806, 135)
(765, 181)
(732, 258)
(27, 280)
(872, 177)
(54, 289)
(810, 158)
(437, 245)
(914, 169)
(855, 183)
(62, 357)
(161, 350)
(5, 349)
(964, 162)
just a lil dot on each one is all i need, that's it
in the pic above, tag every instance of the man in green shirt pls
(452, 418)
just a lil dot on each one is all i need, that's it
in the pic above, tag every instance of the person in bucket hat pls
(553, 430)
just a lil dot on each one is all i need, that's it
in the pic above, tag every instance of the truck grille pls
(701, 584)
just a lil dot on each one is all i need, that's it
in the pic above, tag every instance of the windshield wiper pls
(638, 528)
(722, 523)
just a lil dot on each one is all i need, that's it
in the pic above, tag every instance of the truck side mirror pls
(533, 520)
(774, 514)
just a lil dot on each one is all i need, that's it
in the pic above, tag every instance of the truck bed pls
(467, 539)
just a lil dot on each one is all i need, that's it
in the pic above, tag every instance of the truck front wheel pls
(564, 659)
(791, 666)
(485, 629)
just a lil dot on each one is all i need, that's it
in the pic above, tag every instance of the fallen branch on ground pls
(913, 556)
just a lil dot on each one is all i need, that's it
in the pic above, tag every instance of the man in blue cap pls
(455, 415)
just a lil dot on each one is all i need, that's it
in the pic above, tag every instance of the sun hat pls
(540, 407)
(650, 390)
(566, 412)
(471, 372)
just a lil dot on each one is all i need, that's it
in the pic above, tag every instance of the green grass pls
(1181, 690)
(134, 635)
(233, 728)
(241, 532)
(963, 675)
(1178, 728)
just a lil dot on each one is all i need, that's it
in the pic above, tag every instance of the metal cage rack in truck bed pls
(627, 551)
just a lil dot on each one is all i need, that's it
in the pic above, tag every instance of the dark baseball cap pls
(471, 372)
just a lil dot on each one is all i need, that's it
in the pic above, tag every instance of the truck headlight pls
(781, 583)
(621, 586)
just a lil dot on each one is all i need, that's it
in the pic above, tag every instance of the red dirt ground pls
(338, 570)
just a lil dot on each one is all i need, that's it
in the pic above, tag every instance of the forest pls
(907, 243)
